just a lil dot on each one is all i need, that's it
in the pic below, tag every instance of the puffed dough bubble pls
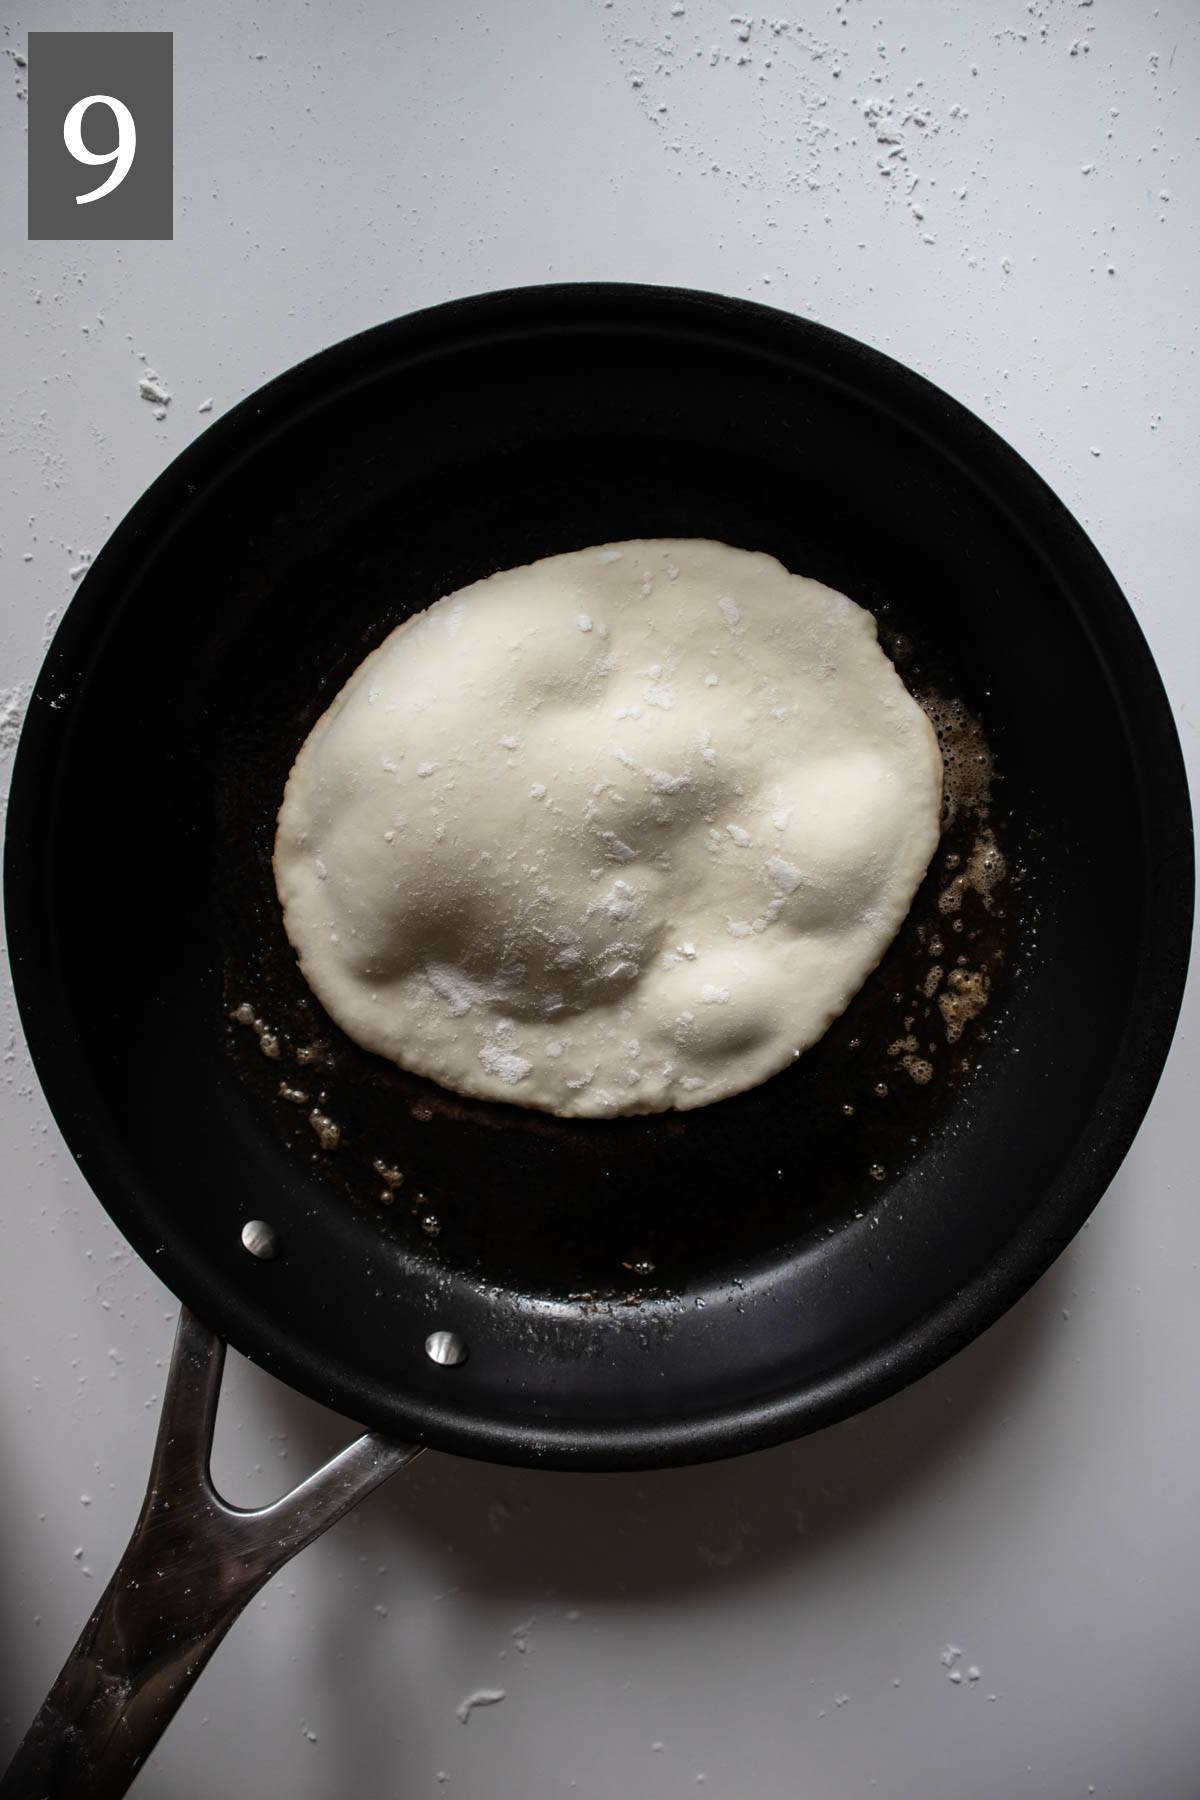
(615, 832)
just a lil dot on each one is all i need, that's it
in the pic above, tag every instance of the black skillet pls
(631, 1293)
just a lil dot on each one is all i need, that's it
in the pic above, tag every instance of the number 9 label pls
(121, 157)
(100, 100)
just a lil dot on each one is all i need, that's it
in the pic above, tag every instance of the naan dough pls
(619, 831)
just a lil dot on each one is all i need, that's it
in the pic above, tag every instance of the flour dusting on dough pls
(618, 831)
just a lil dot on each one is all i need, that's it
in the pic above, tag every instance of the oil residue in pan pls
(616, 1212)
(949, 957)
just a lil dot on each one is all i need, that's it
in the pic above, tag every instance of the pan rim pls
(1090, 1163)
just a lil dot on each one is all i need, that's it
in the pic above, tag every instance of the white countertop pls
(774, 1627)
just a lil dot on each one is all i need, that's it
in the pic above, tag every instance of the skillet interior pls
(789, 1284)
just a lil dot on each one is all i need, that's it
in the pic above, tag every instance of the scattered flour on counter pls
(154, 389)
(481, 1697)
(737, 101)
(12, 712)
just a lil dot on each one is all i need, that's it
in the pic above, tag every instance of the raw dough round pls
(618, 831)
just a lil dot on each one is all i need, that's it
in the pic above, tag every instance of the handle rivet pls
(261, 1239)
(445, 1348)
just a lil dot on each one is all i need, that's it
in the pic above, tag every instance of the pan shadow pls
(496, 1535)
(608, 1537)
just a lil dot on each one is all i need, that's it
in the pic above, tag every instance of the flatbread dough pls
(618, 831)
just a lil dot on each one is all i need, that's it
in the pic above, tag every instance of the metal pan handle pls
(188, 1570)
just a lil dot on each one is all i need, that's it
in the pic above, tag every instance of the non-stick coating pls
(805, 1261)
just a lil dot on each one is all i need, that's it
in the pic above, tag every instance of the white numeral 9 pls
(121, 157)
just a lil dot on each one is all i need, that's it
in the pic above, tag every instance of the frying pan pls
(568, 1293)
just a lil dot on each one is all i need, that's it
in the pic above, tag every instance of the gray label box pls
(129, 74)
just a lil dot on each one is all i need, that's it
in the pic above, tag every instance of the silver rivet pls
(446, 1348)
(260, 1239)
